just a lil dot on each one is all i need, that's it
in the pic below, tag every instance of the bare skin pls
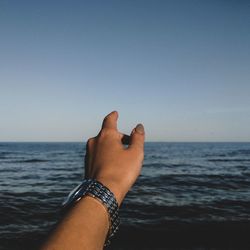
(107, 160)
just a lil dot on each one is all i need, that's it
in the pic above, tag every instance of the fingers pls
(110, 121)
(137, 138)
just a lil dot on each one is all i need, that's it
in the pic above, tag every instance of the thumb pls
(137, 137)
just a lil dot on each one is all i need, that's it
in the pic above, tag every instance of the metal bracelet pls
(97, 190)
(107, 198)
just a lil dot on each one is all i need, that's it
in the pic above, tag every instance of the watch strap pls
(97, 190)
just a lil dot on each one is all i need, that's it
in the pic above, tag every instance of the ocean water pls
(188, 196)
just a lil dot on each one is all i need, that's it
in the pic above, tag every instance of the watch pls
(95, 189)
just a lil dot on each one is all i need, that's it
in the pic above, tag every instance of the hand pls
(110, 162)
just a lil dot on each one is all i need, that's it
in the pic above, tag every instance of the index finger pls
(110, 121)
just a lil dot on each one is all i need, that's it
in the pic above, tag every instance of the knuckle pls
(138, 138)
(90, 141)
(102, 133)
(138, 148)
(139, 144)
(106, 132)
(106, 118)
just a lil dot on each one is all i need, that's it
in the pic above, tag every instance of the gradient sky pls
(182, 68)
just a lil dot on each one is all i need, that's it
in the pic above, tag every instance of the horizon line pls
(145, 141)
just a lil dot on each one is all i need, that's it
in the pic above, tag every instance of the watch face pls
(77, 192)
(71, 195)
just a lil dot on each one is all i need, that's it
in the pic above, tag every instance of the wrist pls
(114, 188)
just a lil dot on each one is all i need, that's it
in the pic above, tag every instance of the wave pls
(170, 165)
(35, 160)
(210, 181)
(228, 160)
(240, 152)
(5, 155)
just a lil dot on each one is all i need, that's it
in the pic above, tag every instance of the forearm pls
(84, 227)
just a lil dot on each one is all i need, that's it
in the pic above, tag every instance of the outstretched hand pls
(110, 162)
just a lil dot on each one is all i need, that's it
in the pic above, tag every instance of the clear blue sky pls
(182, 68)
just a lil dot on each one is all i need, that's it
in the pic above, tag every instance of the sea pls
(189, 196)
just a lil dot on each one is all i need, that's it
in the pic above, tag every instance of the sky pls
(182, 68)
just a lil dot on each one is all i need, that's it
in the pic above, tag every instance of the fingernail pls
(139, 128)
